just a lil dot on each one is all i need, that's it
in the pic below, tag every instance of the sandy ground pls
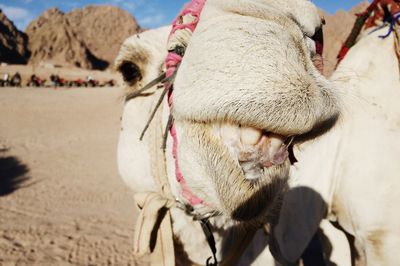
(61, 199)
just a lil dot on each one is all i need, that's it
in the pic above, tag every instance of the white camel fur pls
(134, 155)
(247, 83)
(351, 175)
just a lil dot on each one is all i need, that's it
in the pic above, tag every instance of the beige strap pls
(397, 42)
(153, 233)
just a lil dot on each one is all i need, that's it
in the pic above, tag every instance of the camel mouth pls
(255, 150)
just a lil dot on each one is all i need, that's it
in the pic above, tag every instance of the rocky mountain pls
(13, 43)
(88, 38)
(336, 30)
(103, 28)
(91, 37)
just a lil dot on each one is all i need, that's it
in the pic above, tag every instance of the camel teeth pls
(276, 142)
(250, 136)
(230, 132)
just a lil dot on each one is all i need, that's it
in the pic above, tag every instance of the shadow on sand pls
(13, 173)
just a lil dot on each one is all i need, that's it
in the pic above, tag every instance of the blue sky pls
(149, 13)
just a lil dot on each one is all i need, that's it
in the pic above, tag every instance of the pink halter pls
(172, 61)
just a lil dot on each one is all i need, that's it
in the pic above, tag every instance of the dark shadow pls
(355, 254)
(300, 215)
(13, 174)
(9, 53)
(97, 63)
(314, 253)
(318, 130)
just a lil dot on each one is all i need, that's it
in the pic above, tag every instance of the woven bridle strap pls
(182, 30)
(153, 232)
(373, 15)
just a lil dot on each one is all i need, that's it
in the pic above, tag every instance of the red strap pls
(342, 53)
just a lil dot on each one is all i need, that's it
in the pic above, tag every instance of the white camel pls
(247, 84)
(141, 59)
(351, 175)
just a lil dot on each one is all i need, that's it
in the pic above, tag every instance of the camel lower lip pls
(254, 149)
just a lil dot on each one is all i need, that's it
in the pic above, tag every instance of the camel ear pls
(302, 212)
(131, 73)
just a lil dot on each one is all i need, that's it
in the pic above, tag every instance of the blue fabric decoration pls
(392, 25)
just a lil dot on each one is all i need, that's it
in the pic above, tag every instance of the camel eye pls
(130, 72)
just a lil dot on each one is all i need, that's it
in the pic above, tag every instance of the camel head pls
(141, 57)
(247, 85)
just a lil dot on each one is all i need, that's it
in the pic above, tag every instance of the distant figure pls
(35, 81)
(4, 82)
(109, 83)
(57, 81)
(91, 82)
(16, 80)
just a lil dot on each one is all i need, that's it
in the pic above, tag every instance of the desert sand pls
(61, 199)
